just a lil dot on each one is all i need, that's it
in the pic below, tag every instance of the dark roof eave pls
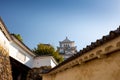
(24, 46)
(99, 42)
(5, 31)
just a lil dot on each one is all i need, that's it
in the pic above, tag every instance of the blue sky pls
(50, 21)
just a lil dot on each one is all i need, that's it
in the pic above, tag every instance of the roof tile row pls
(93, 45)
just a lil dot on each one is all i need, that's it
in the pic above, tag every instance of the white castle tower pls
(67, 48)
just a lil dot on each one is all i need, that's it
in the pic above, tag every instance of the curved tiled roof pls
(66, 40)
(5, 30)
(93, 45)
(13, 38)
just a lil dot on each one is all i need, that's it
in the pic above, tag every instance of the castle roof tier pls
(67, 47)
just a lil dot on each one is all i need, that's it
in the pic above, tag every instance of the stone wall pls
(35, 73)
(5, 68)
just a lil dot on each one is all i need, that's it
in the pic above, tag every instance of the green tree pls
(47, 49)
(18, 36)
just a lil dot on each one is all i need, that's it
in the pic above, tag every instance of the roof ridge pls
(66, 40)
(93, 45)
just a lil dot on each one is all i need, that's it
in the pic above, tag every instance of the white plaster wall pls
(41, 61)
(19, 54)
(4, 41)
(44, 61)
(52, 63)
(72, 45)
(66, 56)
(22, 56)
(14, 49)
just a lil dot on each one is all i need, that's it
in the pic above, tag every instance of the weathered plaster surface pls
(106, 65)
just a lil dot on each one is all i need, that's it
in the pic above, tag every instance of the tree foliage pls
(18, 36)
(47, 49)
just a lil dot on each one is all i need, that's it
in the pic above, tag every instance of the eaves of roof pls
(14, 39)
(22, 45)
(4, 30)
(99, 42)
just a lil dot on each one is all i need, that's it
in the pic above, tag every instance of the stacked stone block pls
(5, 68)
(35, 73)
